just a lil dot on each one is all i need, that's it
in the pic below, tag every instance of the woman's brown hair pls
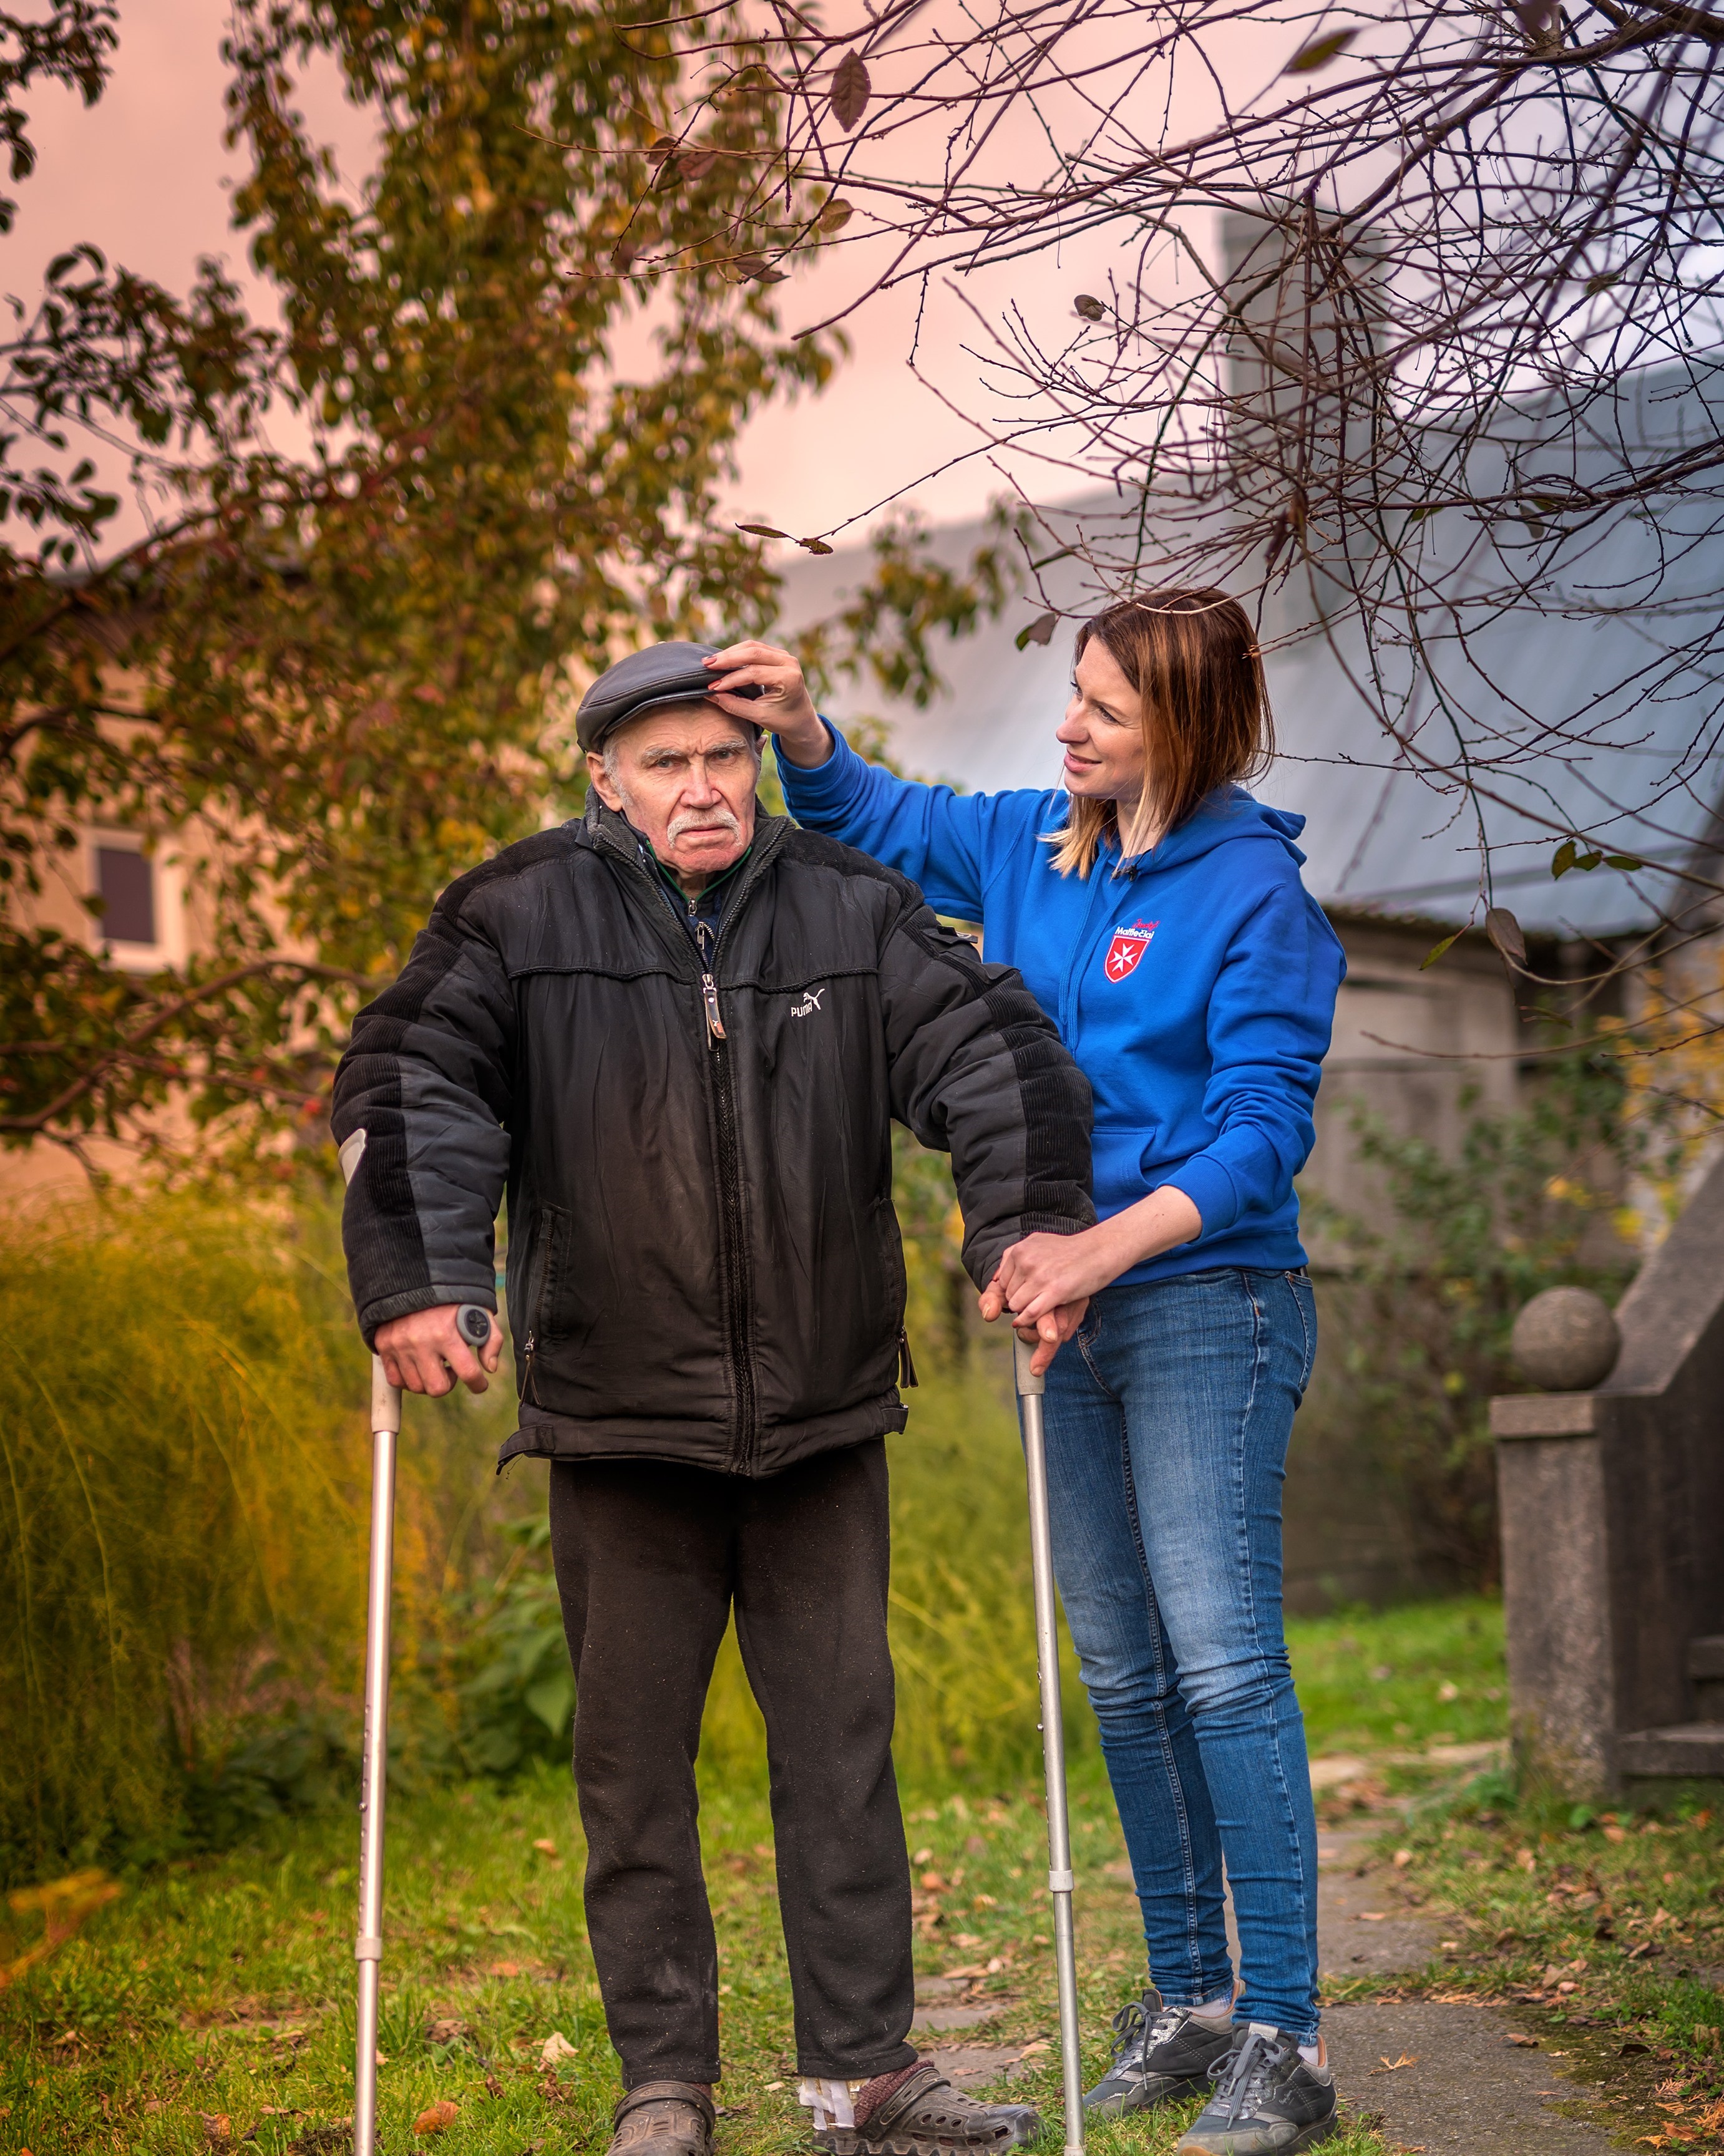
(1192, 659)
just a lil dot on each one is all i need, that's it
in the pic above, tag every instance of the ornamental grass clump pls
(182, 1546)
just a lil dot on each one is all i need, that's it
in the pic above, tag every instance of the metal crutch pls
(474, 1325)
(1030, 1389)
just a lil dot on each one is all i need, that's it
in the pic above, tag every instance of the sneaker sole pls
(1128, 2100)
(1228, 2144)
(845, 2141)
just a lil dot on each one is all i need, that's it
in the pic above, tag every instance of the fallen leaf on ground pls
(1371, 1917)
(1394, 2065)
(217, 2126)
(438, 2118)
(556, 2046)
(1531, 2043)
(546, 1847)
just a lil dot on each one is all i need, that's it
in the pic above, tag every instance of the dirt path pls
(1443, 2078)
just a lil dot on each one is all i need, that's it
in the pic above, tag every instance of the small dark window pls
(127, 883)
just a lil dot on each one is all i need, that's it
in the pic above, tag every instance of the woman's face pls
(1102, 731)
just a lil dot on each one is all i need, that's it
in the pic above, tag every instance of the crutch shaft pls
(373, 1766)
(1054, 1744)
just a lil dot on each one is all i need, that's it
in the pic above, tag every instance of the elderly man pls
(675, 1033)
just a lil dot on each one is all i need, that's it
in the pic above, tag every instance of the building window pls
(136, 908)
(125, 882)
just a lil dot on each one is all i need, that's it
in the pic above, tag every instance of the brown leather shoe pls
(663, 2119)
(925, 2116)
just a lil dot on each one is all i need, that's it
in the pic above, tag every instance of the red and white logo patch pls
(1127, 947)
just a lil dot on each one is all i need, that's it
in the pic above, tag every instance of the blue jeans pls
(1168, 1417)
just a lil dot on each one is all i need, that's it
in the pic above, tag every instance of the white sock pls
(1217, 2010)
(1312, 2054)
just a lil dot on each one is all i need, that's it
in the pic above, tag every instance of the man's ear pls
(599, 774)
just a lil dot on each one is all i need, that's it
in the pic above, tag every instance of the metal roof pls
(1595, 718)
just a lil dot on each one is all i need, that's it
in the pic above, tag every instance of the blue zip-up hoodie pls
(1195, 984)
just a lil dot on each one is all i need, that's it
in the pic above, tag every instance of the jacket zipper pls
(529, 1349)
(906, 1362)
(709, 998)
(739, 1300)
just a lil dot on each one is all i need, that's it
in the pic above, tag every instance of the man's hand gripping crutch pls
(428, 1354)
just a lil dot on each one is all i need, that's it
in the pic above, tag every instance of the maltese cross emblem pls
(1127, 947)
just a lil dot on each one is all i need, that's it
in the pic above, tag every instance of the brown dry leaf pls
(1089, 306)
(1526, 2043)
(836, 214)
(1394, 2065)
(546, 1846)
(1040, 631)
(1371, 1916)
(852, 88)
(556, 2046)
(1506, 935)
(815, 546)
(439, 2119)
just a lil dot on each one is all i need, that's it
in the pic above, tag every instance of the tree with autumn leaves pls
(345, 666)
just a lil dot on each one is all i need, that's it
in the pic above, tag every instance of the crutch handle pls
(385, 1401)
(1031, 1384)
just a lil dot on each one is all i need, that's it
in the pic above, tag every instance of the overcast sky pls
(143, 174)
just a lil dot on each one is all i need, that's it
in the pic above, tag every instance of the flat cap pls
(661, 674)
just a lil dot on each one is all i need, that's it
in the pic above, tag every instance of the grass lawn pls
(211, 2006)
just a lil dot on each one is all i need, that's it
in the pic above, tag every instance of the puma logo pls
(809, 1005)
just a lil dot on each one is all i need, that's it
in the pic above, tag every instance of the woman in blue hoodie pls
(1156, 911)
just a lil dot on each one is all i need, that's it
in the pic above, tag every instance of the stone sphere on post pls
(1566, 1340)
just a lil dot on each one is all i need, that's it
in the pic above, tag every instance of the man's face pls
(685, 778)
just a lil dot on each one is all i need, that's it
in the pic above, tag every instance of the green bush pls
(1416, 1325)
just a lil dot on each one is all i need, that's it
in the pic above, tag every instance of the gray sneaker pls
(1267, 2102)
(1160, 2053)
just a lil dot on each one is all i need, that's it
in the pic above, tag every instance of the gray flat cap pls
(663, 674)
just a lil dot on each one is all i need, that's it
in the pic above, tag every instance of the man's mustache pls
(705, 819)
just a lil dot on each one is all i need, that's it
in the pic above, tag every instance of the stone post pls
(1612, 1529)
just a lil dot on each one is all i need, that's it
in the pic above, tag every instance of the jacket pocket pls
(547, 1270)
(547, 1276)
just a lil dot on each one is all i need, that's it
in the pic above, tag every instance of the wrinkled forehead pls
(675, 730)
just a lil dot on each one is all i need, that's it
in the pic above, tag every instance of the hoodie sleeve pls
(977, 1071)
(428, 1078)
(941, 840)
(1270, 1019)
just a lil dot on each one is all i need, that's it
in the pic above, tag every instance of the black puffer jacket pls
(704, 1263)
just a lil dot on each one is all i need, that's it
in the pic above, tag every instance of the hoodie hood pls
(1228, 814)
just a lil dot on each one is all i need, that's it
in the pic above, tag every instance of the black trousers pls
(651, 1558)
